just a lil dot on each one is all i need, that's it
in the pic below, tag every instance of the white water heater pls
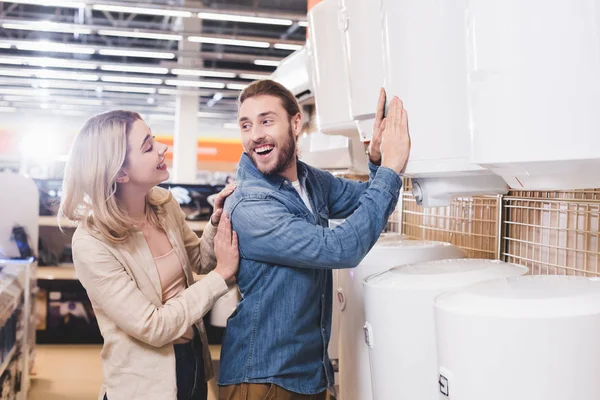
(424, 51)
(330, 75)
(295, 73)
(360, 21)
(534, 86)
(390, 251)
(400, 327)
(527, 338)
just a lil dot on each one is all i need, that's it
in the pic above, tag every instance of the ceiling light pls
(50, 47)
(267, 63)
(10, 61)
(132, 68)
(57, 62)
(204, 114)
(303, 24)
(244, 18)
(140, 35)
(141, 10)
(199, 72)
(229, 42)
(15, 72)
(129, 89)
(46, 26)
(253, 77)
(8, 109)
(198, 84)
(130, 79)
(287, 46)
(52, 3)
(5, 45)
(236, 86)
(137, 53)
(73, 76)
(19, 92)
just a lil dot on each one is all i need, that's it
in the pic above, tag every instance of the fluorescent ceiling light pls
(303, 23)
(229, 42)
(137, 53)
(57, 62)
(66, 85)
(7, 109)
(54, 47)
(10, 61)
(19, 92)
(140, 35)
(5, 45)
(236, 86)
(52, 3)
(198, 84)
(287, 46)
(253, 77)
(132, 68)
(204, 114)
(244, 18)
(73, 76)
(15, 72)
(142, 10)
(130, 79)
(199, 72)
(267, 63)
(46, 26)
(129, 89)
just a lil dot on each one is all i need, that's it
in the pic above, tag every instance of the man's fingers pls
(380, 106)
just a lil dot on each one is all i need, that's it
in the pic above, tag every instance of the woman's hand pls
(219, 202)
(226, 250)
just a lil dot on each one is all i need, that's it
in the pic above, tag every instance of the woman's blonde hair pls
(90, 182)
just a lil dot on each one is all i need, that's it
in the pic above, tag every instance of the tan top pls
(122, 282)
(172, 281)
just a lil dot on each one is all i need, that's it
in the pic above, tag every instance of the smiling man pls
(275, 344)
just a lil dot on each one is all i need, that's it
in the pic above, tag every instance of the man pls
(275, 344)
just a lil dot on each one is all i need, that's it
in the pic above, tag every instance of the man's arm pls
(344, 194)
(269, 233)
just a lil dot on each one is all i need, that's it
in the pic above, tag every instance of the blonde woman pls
(135, 254)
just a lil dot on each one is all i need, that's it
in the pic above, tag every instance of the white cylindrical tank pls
(424, 50)
(390, 250)
(534, 79)
(361, 24)
(400, 327)
(527, 338)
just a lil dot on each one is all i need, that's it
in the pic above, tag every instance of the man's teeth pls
(264, 149)
(160, 165)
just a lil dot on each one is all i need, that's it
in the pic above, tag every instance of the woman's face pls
(145, 163)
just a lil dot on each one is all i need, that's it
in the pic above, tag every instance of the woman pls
(135, 254)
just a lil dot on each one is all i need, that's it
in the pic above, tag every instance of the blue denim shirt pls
(280, 331)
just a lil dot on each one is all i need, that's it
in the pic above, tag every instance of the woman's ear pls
(122, 176)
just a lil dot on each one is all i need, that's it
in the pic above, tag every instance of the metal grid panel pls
(552, 232)
(469, 223)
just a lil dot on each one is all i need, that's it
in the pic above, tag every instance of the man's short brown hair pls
(267, 87)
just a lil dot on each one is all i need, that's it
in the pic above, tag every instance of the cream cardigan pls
(121, 280)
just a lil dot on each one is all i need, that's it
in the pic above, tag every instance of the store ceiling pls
(80, 57)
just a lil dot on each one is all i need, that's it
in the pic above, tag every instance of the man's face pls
(268, 135)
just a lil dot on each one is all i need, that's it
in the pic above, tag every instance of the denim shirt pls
(280, 330)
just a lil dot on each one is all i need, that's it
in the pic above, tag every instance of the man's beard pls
(285, 158)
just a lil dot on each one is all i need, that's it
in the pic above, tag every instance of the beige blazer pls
(138, 360)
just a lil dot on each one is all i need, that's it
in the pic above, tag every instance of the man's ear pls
(122, 176)
(297, 124)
